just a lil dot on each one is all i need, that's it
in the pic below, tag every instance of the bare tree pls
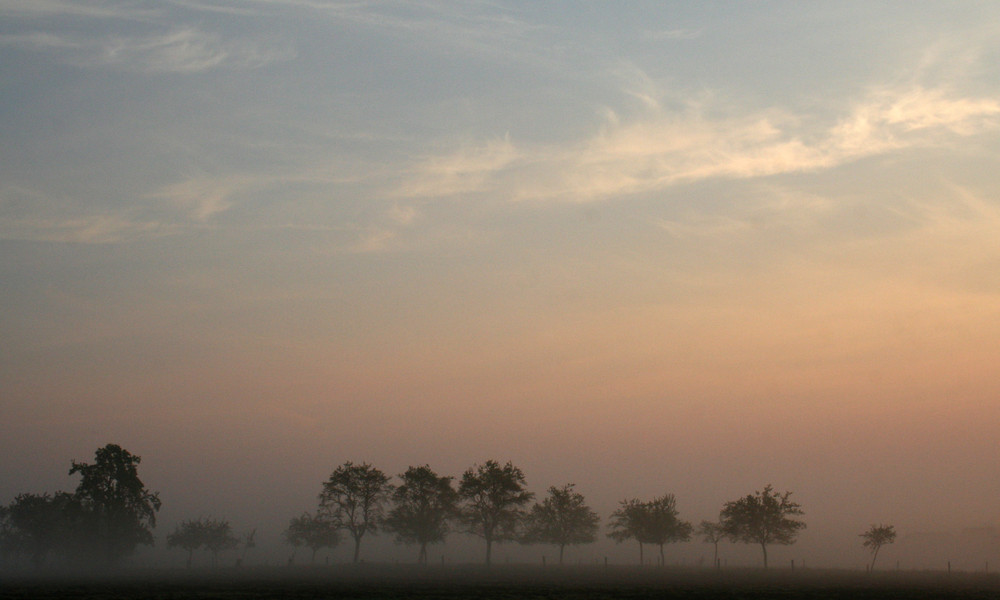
(353, 498)
(563, 518)
(712, 533)
(423, 504)
(493, 499)
(764, 518)
(876, 537)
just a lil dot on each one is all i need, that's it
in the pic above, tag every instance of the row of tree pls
(491, 502)
(111, 513)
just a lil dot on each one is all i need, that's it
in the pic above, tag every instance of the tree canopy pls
(562, 518)
(764, 517)
(493, 499)
(652, 522)
(423, 505)
(123, 511)
(313, 532)
(215, 535)
(353, 497)
(876, 537)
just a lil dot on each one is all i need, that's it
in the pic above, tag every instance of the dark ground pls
(506, 582)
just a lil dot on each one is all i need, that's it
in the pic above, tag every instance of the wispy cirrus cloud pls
(466, 170)
(98, 9)
(661, 148)
(181, 50)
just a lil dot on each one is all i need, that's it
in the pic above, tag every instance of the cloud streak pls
(181, 50)
(661, 148)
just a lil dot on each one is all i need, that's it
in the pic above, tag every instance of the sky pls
(645, 247)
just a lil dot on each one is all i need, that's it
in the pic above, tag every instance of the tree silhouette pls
(215, 535)
(248, 541)
(38, 525)
(353, 498)
(763, 517)
(313, 532)
(218, 537)
(493, 500)
(652, 522)
(563, 518)
(188, 535)
(662, 525)
(628, 522)
(7, 542)
(123, 510)
(712, 533)
(422, 506)
(876, 537)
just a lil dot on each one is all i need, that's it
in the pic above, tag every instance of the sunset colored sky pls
(647, 247)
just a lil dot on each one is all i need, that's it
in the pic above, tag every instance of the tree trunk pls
(357, 548)
(642, 559)
(422, 557)
(190, 557)
(561, 548)
(764, 548)
(312, 560)
(489, 551)
(874, 556)
(663, 561)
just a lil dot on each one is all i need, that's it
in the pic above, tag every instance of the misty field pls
(396, 581)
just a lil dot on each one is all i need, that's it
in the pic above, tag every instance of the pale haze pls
(650, 247)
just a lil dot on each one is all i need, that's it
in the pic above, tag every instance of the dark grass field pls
(506, 582)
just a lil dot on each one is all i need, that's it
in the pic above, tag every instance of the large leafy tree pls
(423, 505)
(354, 497)
(313, 532)
(493, 499)
(38, 525)
(764, 517)
(876, 537)
(562, 518)
(123, 511)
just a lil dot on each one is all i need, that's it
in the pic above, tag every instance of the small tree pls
(763, 518)
(123, 510)
(188, 535)
(313, 532)
(247, 541)
(876, 537)
(353, 498)
(423, 505)
(563, 518)
(493, 500)
(662, 525)
(629, 522)
(712, 533)
(218, 537)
